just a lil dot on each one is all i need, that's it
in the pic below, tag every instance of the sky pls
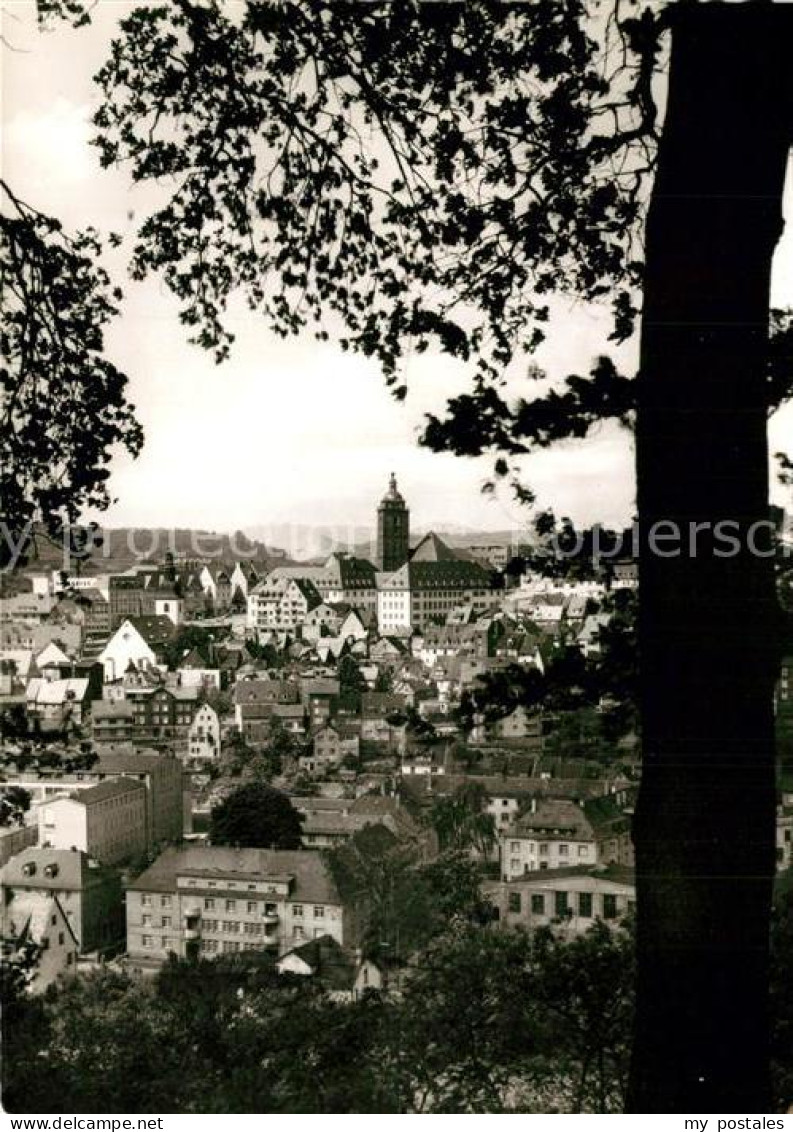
(284, 433)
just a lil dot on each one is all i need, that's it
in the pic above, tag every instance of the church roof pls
(433, 549)
(392, 496)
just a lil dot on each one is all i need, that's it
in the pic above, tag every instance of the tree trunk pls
(704, 827)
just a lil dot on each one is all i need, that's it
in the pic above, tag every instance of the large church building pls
(420, 587)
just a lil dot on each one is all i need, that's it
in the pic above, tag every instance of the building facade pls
(203, 901)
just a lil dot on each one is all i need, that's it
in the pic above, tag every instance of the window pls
(299, 933)
(585, 904)
(166, 921)
(543, 849)
(252, 906)
(514, 846)
(211, 925)
(146, 921)
(564, 850)
(297, 909)
(165, 901)
(561, 906)
(231, 905)
(583, 850)
(209, 902)
(147, 940)
(231, 926)
(609, 906)
(270, 909)
(538, 903)
(319, 911)
(514, 902)
(145, 900)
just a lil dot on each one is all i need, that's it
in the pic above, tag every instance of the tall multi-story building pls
(162, 776)
(106, 821)
(393, 529)
(204, 901)
(422, 593)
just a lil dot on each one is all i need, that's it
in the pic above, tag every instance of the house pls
(255, 699)
(323, 620)
(551, 834)
(50, 660)
(343, 974)
(207, 901)
(203, 740)
(376, 710)
(243, 578)
(282, 603)
(217, 586)
(611, 818)
(569, 897)
(163, 714)
(326, 744)
(107, 821)
(319, 695)
(89, 894)
(40, 920)
(138, 641)
(520, 724)
(349, 580)
(57, 704)
(112, 722)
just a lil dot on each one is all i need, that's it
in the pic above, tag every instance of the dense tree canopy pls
(64, 404)
(255, 817)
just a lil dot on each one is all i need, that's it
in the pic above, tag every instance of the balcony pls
(192, 927)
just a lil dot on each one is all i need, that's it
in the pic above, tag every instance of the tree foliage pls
(256, 817)
(485, 1021)
(64, 404)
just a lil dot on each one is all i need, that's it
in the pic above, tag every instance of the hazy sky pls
(284, 432)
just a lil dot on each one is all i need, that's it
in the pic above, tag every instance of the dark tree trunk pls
(704, 828)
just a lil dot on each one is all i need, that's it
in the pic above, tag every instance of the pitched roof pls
(312, 878)
(555, 817)
(55, 869)
(327, 961)
(53, 692)
(265, 692)
(375, 705)
(433, 549)
(155, 628)
(112, 709)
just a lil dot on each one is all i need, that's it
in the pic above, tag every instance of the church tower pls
(393, 529)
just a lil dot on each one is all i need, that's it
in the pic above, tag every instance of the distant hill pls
(124, 547)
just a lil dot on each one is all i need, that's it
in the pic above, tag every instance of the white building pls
(554, 834)
(106, 821)
(203, 740)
